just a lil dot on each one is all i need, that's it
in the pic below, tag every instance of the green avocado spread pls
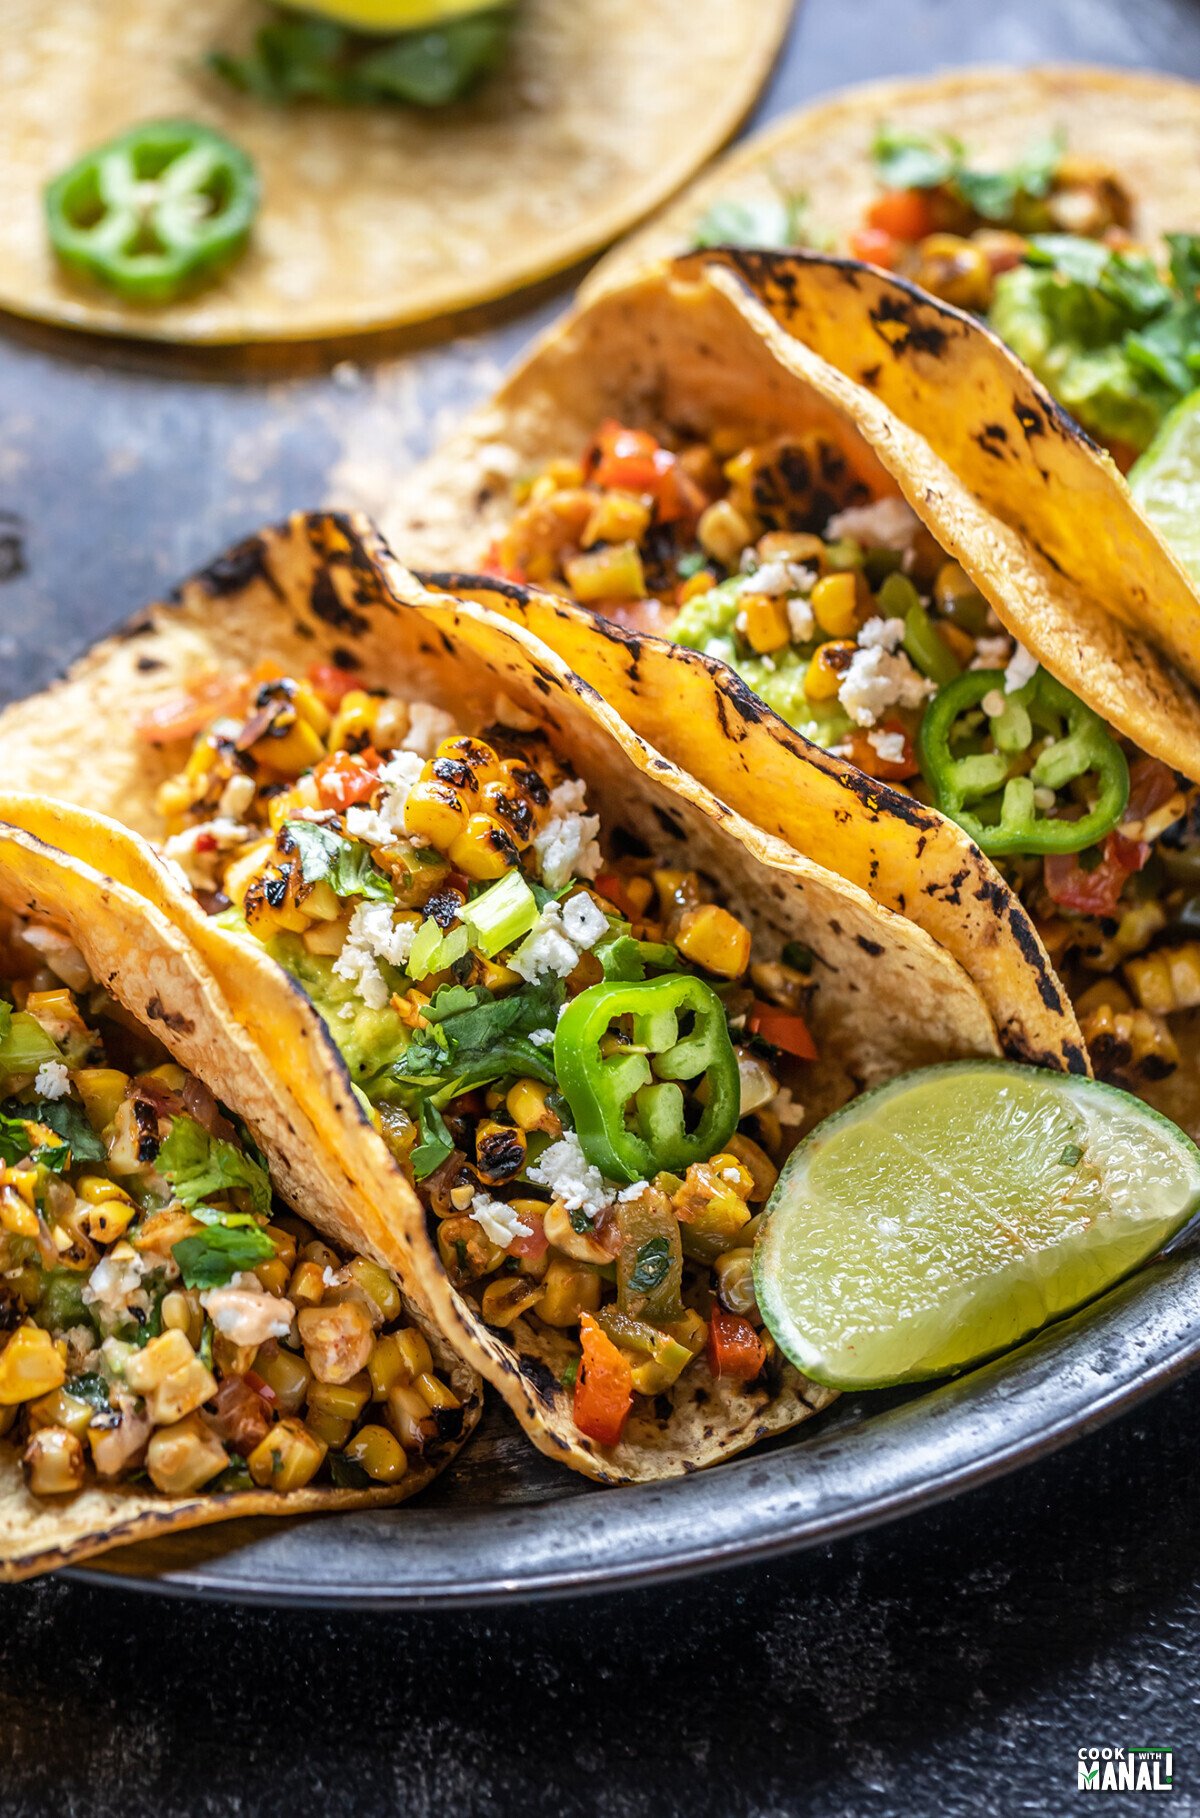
(369, 1040)
(706, 624)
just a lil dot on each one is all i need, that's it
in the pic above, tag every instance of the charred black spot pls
(237, 568)
(449, 1423)
(500, 1154)
(1032, 422)
(275, 891)
(145, 1119)
(327, 605)
(628, 845)
(157, 1012)
(445, 907)
(868, 946)
(344, 658)
(145, 665)
(921, 335)
(870, 376)
(671, 825)
(453, 772)
(540, 1378)
(12, 546)
(532, 783)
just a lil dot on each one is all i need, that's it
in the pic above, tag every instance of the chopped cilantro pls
(68, 1120)
(436, 1144)
(347, 1473)
(213, 1259)
(1071, 1156)
(345, 865)
(773, 221)
(198, 1165)
(567, 1379)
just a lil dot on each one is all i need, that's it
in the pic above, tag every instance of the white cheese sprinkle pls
(542, 1038)
(887, 745)
(561, 933)
(53, 1080)
(991, 653)
(885, 524)
(566, 846)
(1021, 669)
(881, 634)
(373, 936)
(776, 578)
(427, 727)
(800, 620)
(498, 1221)
(877, 680)
(570, 1176)
(197, 849)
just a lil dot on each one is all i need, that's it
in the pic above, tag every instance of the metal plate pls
(507, 1525)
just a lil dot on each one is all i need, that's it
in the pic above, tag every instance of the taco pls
(583, 1009)
(950, 573)
(1060, 204)
(178, 1345)
(378, 206)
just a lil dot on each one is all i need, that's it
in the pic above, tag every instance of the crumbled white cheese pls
(991, 653)
(373, 936)
(583, 920)
(498, 1221)
(115, 1278)
(566, 846)
(561, 933)
(776, 578)
(402, 770)
(52, 1080)
(427, 727)
(881, 634)
(887, 745)
(877, 680)
(1021, 669)
(800, 620)
(542, 1038)
(384, 825)
(197, 849)
(236, 796)
(245, 1313)
(634, 1192)
(885, 524)
(570, 1176)
(787, 1109)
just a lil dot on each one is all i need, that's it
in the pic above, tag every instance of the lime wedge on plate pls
(949, 1214)
(1165, 481)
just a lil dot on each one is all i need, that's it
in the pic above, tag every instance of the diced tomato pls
(206, 842)
(678, 495)
(347, 777)
(784, 1029)
(874, 247)
(260, 1387)
(603, 1386)
(239, 1415)
(332, 683)
(1151, 785)
(905, 214)
(1094, 892)
(183, 715)
(493, 563)
(612, 889)
(630, 460)
(537, 1243)
(888, 770)
(734, 1347)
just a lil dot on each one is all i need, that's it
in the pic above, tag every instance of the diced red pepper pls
(612, 889)
(347, 777)
(905, 214)
(333, 683)
(1098, 891)
(784, 1029)
(734, 1347)
(494, 564)
(603, 1385)
(1151, 785)
(183, 715)
(537, 1243)
(889, 770)
(632, 460)
(874, 247)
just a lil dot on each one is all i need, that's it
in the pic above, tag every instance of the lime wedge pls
(1165, 481)
(949, 1214)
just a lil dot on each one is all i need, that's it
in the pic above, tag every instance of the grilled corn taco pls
(1059, 204)
(192, 1327)
(581, 1010)
(413, 157)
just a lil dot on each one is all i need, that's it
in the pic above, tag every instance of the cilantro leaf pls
(198, 1165)
(92, 1388)
(54, 1156)
(625, 959)
(214, 1258)
(436, 1144)
(774, 220)
(24, 1044)
(910, 160)
(345, 865)
(301, 59)
(69, 1120)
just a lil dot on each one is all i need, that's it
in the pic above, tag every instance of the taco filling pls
(844, 614)
(163, 1321)
(571, 1049)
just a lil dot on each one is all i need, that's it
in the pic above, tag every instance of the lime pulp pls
(952, 1212)
(1165, 482)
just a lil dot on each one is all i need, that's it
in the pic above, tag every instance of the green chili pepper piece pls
(991, 793)
(154, 213)
(628, 1107)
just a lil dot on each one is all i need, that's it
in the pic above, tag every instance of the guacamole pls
(707, 623)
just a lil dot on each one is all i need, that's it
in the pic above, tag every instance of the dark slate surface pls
(952, 1664)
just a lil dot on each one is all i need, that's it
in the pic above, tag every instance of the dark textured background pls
(951, 1664)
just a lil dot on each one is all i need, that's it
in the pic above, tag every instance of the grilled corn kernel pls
(146, 1369)
(505, 1299)
(285, 1245)
(835, 604)
(703, 581)
(386, 1365)
(657, 1374)
(286, 1374)
(307, 1285)
(288, 1458)
(756, 1163)
(764, 623)
(581, 1246)
(30, 1366)
(106, 1216)
(732, 1173)
(379, 1453)
(1167, 980)
(181, 1312)
(434, 813)
(466, 1250)
(15, 1216)
(824, 674)
(101, 1089)
(345, 1400)
(331, 1430)
(955, 269)
(1127, 1044)
(483, 850)
(353, 724)
(297, 749)
(182, 1458)
(53, 1462)
(723, 533)
(712, 938)
(569, 1289)
(380, 1291)
(611, 572)
(435, 1392)
(59, 1409)
(337, 1340)
(407, 1414)
(526, 1102)
(617, 517)
(321, 1254)
(499, 1151)
(182, 1392)
(273, 1275)
(285, 806)
(735, 1280)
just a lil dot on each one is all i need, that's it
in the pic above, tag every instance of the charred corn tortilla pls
(384, 215)
(323, 589)
(136, 952)
(1146, 127)
(692, 350)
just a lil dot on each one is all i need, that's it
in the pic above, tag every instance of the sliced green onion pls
(434, 951)
(501, 914)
